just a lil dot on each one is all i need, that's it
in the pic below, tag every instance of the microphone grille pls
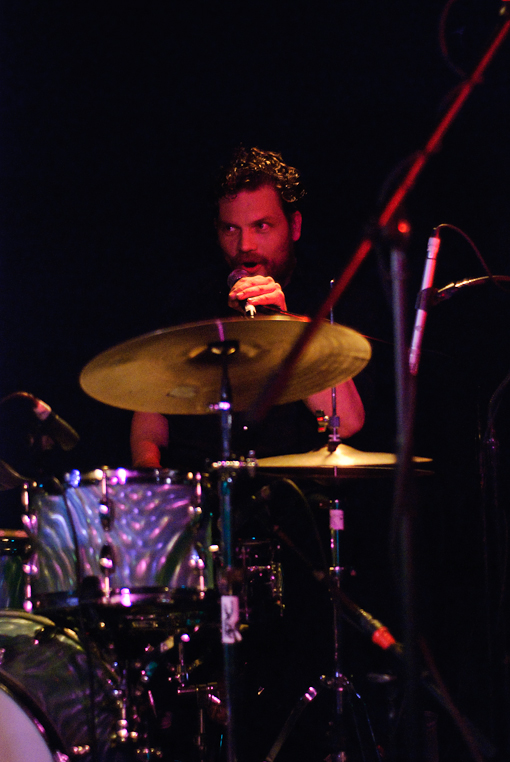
(236, 275)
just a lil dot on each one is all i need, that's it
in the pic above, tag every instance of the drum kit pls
(127, 595)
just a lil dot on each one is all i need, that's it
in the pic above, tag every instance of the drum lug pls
(122, 731)
(107, 564)
(198, 492)
(105, 504)
(106, 513)
(80, 751)
(107, 559)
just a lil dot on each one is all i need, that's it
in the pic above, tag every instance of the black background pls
(114, 119)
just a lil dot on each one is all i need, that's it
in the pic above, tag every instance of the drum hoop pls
(47, 730)
(14, 542)
(159, 595)
(20, 614)
(121, 476)
(13, 534)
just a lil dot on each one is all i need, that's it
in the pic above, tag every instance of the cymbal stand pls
(331, 422)
(228, 469)
(336, 526)
(339, 683)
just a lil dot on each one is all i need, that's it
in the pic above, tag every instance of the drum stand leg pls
(205, 695)
(338, 683)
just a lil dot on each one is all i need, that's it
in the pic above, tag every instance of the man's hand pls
(257, 290)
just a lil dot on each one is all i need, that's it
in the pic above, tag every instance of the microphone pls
(55, 426)
(423, 301)
(51, 424)
(249, 309)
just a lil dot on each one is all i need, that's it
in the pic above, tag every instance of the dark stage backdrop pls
(114, 118)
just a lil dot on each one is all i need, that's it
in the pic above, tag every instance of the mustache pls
(249, 260)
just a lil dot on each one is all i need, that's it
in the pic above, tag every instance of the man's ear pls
(295, 225)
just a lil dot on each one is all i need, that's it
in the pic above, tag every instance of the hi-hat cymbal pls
(176, 370)
(344, 462)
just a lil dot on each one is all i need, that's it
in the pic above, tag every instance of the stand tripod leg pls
(335, 740)
(339, 683)
(368, 751)
(291, 721)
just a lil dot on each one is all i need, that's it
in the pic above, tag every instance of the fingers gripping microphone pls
(235, 275)
(423, 301)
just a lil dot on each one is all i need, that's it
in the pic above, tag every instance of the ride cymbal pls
(178, 370)
(344, 462)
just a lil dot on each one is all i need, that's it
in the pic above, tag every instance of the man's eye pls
(263, 226)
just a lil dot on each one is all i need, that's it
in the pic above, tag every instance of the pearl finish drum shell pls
(13, 552)
(158, 536)
(44, 688)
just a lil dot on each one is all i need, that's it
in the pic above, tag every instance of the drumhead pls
(21, 738)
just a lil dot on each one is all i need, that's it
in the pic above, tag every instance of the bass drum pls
(56, 701)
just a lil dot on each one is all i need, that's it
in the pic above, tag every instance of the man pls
(257, 225)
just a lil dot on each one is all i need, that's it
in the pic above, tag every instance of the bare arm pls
(149, 433)
(349, 407)
(262, 290)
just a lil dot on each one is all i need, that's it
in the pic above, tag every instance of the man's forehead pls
(258, 203)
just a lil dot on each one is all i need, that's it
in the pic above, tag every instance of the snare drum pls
(14, 548)
(120, 538)
(45, 694)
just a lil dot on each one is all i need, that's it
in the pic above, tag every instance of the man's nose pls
(247, 240)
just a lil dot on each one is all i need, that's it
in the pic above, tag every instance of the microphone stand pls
(405, 383)
(402, 539)
(276, 383)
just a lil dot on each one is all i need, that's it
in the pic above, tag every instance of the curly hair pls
(250, 168)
